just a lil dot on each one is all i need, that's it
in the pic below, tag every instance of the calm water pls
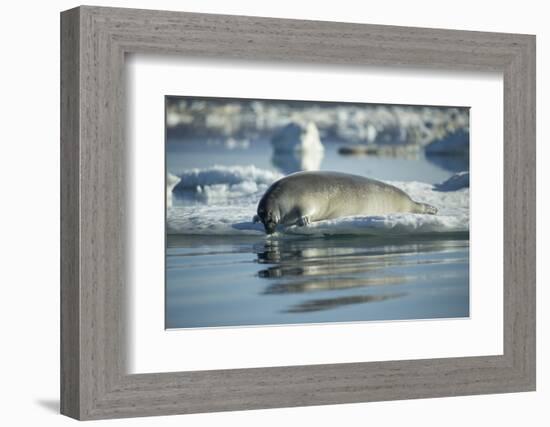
(238, 281)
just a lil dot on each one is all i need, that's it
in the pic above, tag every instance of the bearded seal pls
(305, 197)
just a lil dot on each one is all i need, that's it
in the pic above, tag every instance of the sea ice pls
(233, 194)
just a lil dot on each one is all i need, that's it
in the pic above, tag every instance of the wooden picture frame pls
(94, 382)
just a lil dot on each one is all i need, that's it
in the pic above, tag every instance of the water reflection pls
(332, 266)
(219, 281)
(328, 284)
(451, 163)
(326, 304)
(295, 161)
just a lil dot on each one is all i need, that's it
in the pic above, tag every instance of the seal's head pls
(268, 214)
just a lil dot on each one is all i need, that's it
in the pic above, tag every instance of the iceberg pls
(297, 137)
(456, 182)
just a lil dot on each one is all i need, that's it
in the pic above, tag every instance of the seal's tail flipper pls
(428, 209)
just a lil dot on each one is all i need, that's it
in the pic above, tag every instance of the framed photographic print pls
(262, 213)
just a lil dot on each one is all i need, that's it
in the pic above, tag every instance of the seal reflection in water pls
(305, 197)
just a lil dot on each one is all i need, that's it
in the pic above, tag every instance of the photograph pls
(293, 212)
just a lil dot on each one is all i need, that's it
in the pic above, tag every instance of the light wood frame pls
(94, 41)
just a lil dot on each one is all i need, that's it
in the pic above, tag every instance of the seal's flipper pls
(426, 208)
(304, 221)
(255, 219)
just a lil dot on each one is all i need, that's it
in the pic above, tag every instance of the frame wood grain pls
(94, 41)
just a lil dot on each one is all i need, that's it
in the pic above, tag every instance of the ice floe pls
(223, 200)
